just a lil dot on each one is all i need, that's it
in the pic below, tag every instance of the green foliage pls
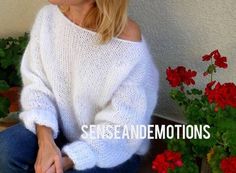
(211, 68)
(4, 105)
(222, 123)
(216, 108)
(3, 85)
(11, 51)
(219, 153)
(188, 167)
(189, 161)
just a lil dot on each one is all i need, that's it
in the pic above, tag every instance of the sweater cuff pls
(41, 117)
(81, 154)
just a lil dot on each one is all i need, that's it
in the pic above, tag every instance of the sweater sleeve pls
(36, 98)
(128, 106)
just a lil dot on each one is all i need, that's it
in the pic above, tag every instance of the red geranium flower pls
(173, 77)
(228, 165)
(188, 77)
(206, 57)
(167, 160)
(208, 88)
(223, 94)
(215, 54)
(205, 73)
(219, 60)
(180, 75)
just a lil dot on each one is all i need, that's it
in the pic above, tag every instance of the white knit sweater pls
(70, 80)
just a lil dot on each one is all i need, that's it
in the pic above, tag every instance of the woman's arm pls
(39, 111)
(49, 154)
(128, 106)
(36, 98)
(47, 145)
(44, 134)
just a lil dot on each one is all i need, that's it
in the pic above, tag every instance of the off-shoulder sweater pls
(70, 80)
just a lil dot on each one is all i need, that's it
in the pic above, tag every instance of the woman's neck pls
(76, 13)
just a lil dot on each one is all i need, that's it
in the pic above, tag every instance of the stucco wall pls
(16, 16)
(179, 33)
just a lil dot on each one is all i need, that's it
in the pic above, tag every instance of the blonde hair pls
(107, 17)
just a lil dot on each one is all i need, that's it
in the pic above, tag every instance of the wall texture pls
(179, 32)
(17, 16)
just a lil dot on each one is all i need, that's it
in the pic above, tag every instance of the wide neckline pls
(93, 32)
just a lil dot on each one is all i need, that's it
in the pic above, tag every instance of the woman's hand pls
(66, 162)
(49, 155)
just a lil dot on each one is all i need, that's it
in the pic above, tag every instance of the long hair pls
(107, 17)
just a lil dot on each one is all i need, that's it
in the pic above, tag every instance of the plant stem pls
(212, 71)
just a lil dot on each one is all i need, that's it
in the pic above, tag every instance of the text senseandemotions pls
(146, 131)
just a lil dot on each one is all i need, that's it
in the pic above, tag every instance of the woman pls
(86, 63)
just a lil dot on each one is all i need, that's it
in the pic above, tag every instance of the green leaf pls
(211, 68)
(177, 95)
(219, 153)
(188, 167)
(11, 52)
(188, 92)
(3, 85)
(7, 60)
(232, 150)
(229, 138)
(226, 124)
(2, 53)
(196, 91)
(4, 105)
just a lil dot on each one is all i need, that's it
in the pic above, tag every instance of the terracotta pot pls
(13, 94)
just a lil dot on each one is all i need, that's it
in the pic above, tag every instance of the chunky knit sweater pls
(70, 80)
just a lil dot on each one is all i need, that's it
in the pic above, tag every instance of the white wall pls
(179, 33)
(16, 16)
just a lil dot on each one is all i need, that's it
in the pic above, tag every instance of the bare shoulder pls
(132, 31)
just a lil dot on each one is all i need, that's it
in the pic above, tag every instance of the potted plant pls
(11, 51)
(215, 105)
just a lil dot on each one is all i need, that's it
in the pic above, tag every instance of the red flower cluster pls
(228, 165)
(223, 94)
(167, 160)
(219, 60)
(180, 75)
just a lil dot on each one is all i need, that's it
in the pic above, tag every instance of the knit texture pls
(70, 80)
